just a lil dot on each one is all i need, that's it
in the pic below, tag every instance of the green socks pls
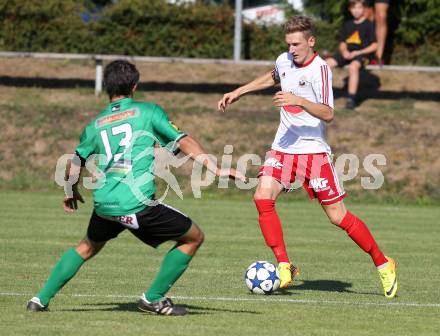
(173, 265)
(64, 270)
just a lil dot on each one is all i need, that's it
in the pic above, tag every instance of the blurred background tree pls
(34, 25)
(203, 28)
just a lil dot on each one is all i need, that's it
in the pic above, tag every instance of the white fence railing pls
(99, 59)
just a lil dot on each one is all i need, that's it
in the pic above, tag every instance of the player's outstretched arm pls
(194, 149)
(260, 83)
(72, 195)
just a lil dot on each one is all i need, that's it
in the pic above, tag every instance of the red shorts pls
(315, 171)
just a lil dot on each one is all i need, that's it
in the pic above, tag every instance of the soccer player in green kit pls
(123, 137)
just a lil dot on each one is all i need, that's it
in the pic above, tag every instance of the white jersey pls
(299, 132)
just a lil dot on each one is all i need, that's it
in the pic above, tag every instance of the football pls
(262, 277)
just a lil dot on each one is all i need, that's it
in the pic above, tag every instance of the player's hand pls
(70, 204)
(231, 173)
(228, 98)
(282, 98)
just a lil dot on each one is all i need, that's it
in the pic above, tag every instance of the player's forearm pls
(72, 173)
(320, 111)
(194, 149)
(71, 177)
(263, 82)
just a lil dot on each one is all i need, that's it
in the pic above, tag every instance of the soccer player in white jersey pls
(300, 152)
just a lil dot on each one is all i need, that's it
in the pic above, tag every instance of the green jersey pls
(121, 141)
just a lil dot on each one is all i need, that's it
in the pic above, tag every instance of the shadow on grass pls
(323, 286)
(319, 285)
(132, 307)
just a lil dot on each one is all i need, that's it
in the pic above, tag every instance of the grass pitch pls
(338, 291)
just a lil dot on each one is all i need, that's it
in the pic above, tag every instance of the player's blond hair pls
(300, 23)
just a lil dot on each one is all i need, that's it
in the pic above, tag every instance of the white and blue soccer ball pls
(262, 277)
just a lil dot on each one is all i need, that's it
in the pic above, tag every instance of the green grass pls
(338, 291)
(43, 124)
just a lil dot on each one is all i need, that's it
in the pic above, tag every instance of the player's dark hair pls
(351, 3)
(120, 77)
(300, 23)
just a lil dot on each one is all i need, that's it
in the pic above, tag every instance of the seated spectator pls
(357, 45)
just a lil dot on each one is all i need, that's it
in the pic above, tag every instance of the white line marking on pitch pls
(268, 299)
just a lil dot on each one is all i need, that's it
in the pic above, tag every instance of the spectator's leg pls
(353, 83)
(331, 62)
(380, 15)
(353, 77)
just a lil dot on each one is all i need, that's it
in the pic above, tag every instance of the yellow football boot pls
(287, 272)
(389, 278)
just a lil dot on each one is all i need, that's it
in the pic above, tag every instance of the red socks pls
(270, 226)
(359, 233)
(356, 229)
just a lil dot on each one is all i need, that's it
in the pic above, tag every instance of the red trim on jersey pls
(306, 63)
(324, 78)
(326, 84)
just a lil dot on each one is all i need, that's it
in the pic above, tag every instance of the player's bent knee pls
(199, 237)
(87, 248)
(335, 212)
(263, 193)
(194, 237)
(258, 195)
(336, 216)
(336, 219)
